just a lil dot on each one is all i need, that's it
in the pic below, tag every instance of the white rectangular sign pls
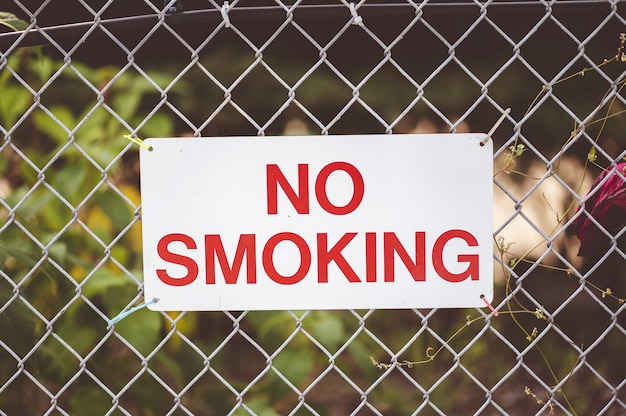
(317, 222)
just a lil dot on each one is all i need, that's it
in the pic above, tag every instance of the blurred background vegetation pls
(70, 235)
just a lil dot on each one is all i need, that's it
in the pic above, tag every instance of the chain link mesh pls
(75, 81)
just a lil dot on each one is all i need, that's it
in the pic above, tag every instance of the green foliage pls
(12, 22)
(93, 203)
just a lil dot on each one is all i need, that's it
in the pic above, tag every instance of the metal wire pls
(70, 214)
(122, 25)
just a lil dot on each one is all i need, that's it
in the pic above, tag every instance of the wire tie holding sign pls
(130, 311)
(224, 10)
(356, 19)
(491, 308)
(495, 126)
(138, 141)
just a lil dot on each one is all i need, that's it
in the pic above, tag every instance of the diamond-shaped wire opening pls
(188, 39)
(240, 363)
(85, 393)
(208, 395)
(107, 213)
(48, 289)
(517, 331)
(452, 81)
(608, 368)
(293, 367)
(116, 374)
(489, 368)
(42, 213)
(158, 39)
(291, 43)
(474, 57)
(27, 395)
(520, 393)
(416, 54)
(146, 394)
(72, 181)
(552, 288)
(240, 58)
(323, 94)
(73, 328)
(55, 361)
(551, 358)
(109, 288)
(603, 287)
(469, 396)
(259, 82)
(177, 347)
(383, 322)
(333, 394)
(592, 108)
(530, 209)
(387, 81)
(354, 67)
(536, 53)
(586, 302)
(516, 85)
(192, 83)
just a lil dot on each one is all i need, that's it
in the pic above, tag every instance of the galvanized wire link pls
(72, 338)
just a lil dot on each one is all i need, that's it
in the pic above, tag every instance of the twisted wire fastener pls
(130, 311)
(491, 308)
(224, 10)
(138, 141)
(356, 19)
(495, 126)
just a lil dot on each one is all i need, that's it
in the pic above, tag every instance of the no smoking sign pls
(330, 222)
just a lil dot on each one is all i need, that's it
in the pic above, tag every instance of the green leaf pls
(141, 329)
(13, 103)
(329, 330)
(159, 125)
(58, 251)
(56, 129)
(115, 208)
(70, 180)
(126, 103)
(294, 364)
(361, 355)
(101, 281)
(12, 22)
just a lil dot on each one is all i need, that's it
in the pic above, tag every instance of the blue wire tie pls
(123, 315)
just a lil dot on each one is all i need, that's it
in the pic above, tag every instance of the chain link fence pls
(75, 81)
